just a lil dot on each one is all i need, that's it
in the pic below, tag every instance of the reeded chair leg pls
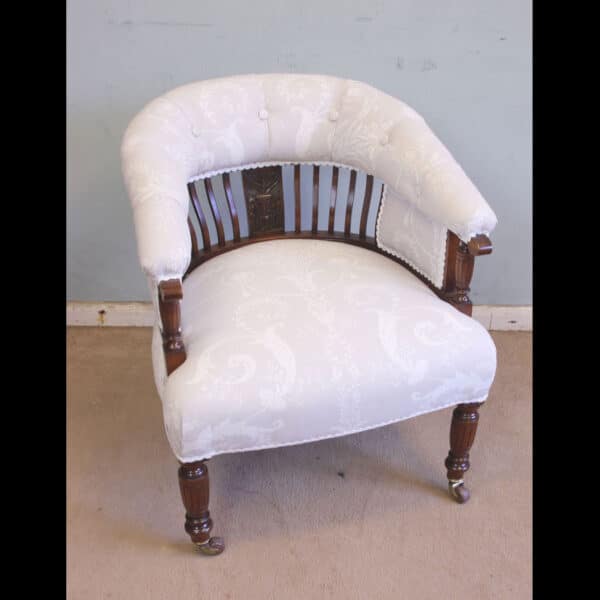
(193, 483)
(462, 434)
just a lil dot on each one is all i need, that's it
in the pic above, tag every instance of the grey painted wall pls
(465, 65)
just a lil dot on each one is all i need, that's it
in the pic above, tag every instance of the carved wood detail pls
(462, 435)
(264, 198)
(194, 487)
(170, 294)
(460, 262)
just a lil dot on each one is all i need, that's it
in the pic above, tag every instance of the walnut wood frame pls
(264, 206)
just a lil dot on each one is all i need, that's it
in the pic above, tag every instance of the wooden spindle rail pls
(333, 198)
(366, 206)
(193, 237)
(350, 202)
(315, 200)
(214, 209)
(235, 224)
(297, 199)
(200, 215)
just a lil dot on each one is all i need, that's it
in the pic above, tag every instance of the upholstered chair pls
(309, 244)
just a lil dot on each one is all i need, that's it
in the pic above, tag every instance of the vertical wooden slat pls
(214, 209)
(200, 214)
(245, 196)
(297, 198)
(350, 202)
(315, 205)
(194, 238)
(333, 198)
(366, 205)
(232, 209)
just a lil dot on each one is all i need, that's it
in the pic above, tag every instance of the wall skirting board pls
(139, 314)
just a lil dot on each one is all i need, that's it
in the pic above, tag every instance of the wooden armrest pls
(460, 262)
(479, 245)
(170, 293)
(170, 290)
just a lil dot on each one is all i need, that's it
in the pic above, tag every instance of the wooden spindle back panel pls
(305, 201)
(308, 201)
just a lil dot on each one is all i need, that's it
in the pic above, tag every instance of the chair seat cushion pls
(291, 341)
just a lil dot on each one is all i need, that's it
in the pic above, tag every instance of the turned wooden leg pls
(193, 483)
(462, 435)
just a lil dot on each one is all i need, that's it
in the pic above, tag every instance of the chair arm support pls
(170, 294)
(479, 245)
(460, 262)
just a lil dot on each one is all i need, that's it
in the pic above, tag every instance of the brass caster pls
(458, 491)
(214, 546)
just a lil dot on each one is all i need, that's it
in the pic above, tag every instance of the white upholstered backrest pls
(223, 124)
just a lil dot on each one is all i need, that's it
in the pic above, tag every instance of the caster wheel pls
(458, 491)
(214, 546)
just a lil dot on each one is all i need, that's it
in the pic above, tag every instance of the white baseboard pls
(504, 318)
(140, 314)
(110, 314)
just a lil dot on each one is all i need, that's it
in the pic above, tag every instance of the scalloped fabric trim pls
(277, 163)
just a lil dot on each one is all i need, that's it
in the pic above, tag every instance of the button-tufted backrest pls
(222, 124)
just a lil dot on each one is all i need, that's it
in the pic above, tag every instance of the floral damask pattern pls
(294, 340)
(220, 124)
(404, 231)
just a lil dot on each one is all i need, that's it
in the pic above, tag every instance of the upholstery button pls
(263, 115)
(384, 139)
(333, 115)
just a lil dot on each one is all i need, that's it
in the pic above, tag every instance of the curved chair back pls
(214, 165)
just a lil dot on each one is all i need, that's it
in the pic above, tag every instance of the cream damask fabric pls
(222, 124)
(404, 231)
(290, 341)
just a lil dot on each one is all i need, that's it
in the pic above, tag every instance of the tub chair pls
(309, 244)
